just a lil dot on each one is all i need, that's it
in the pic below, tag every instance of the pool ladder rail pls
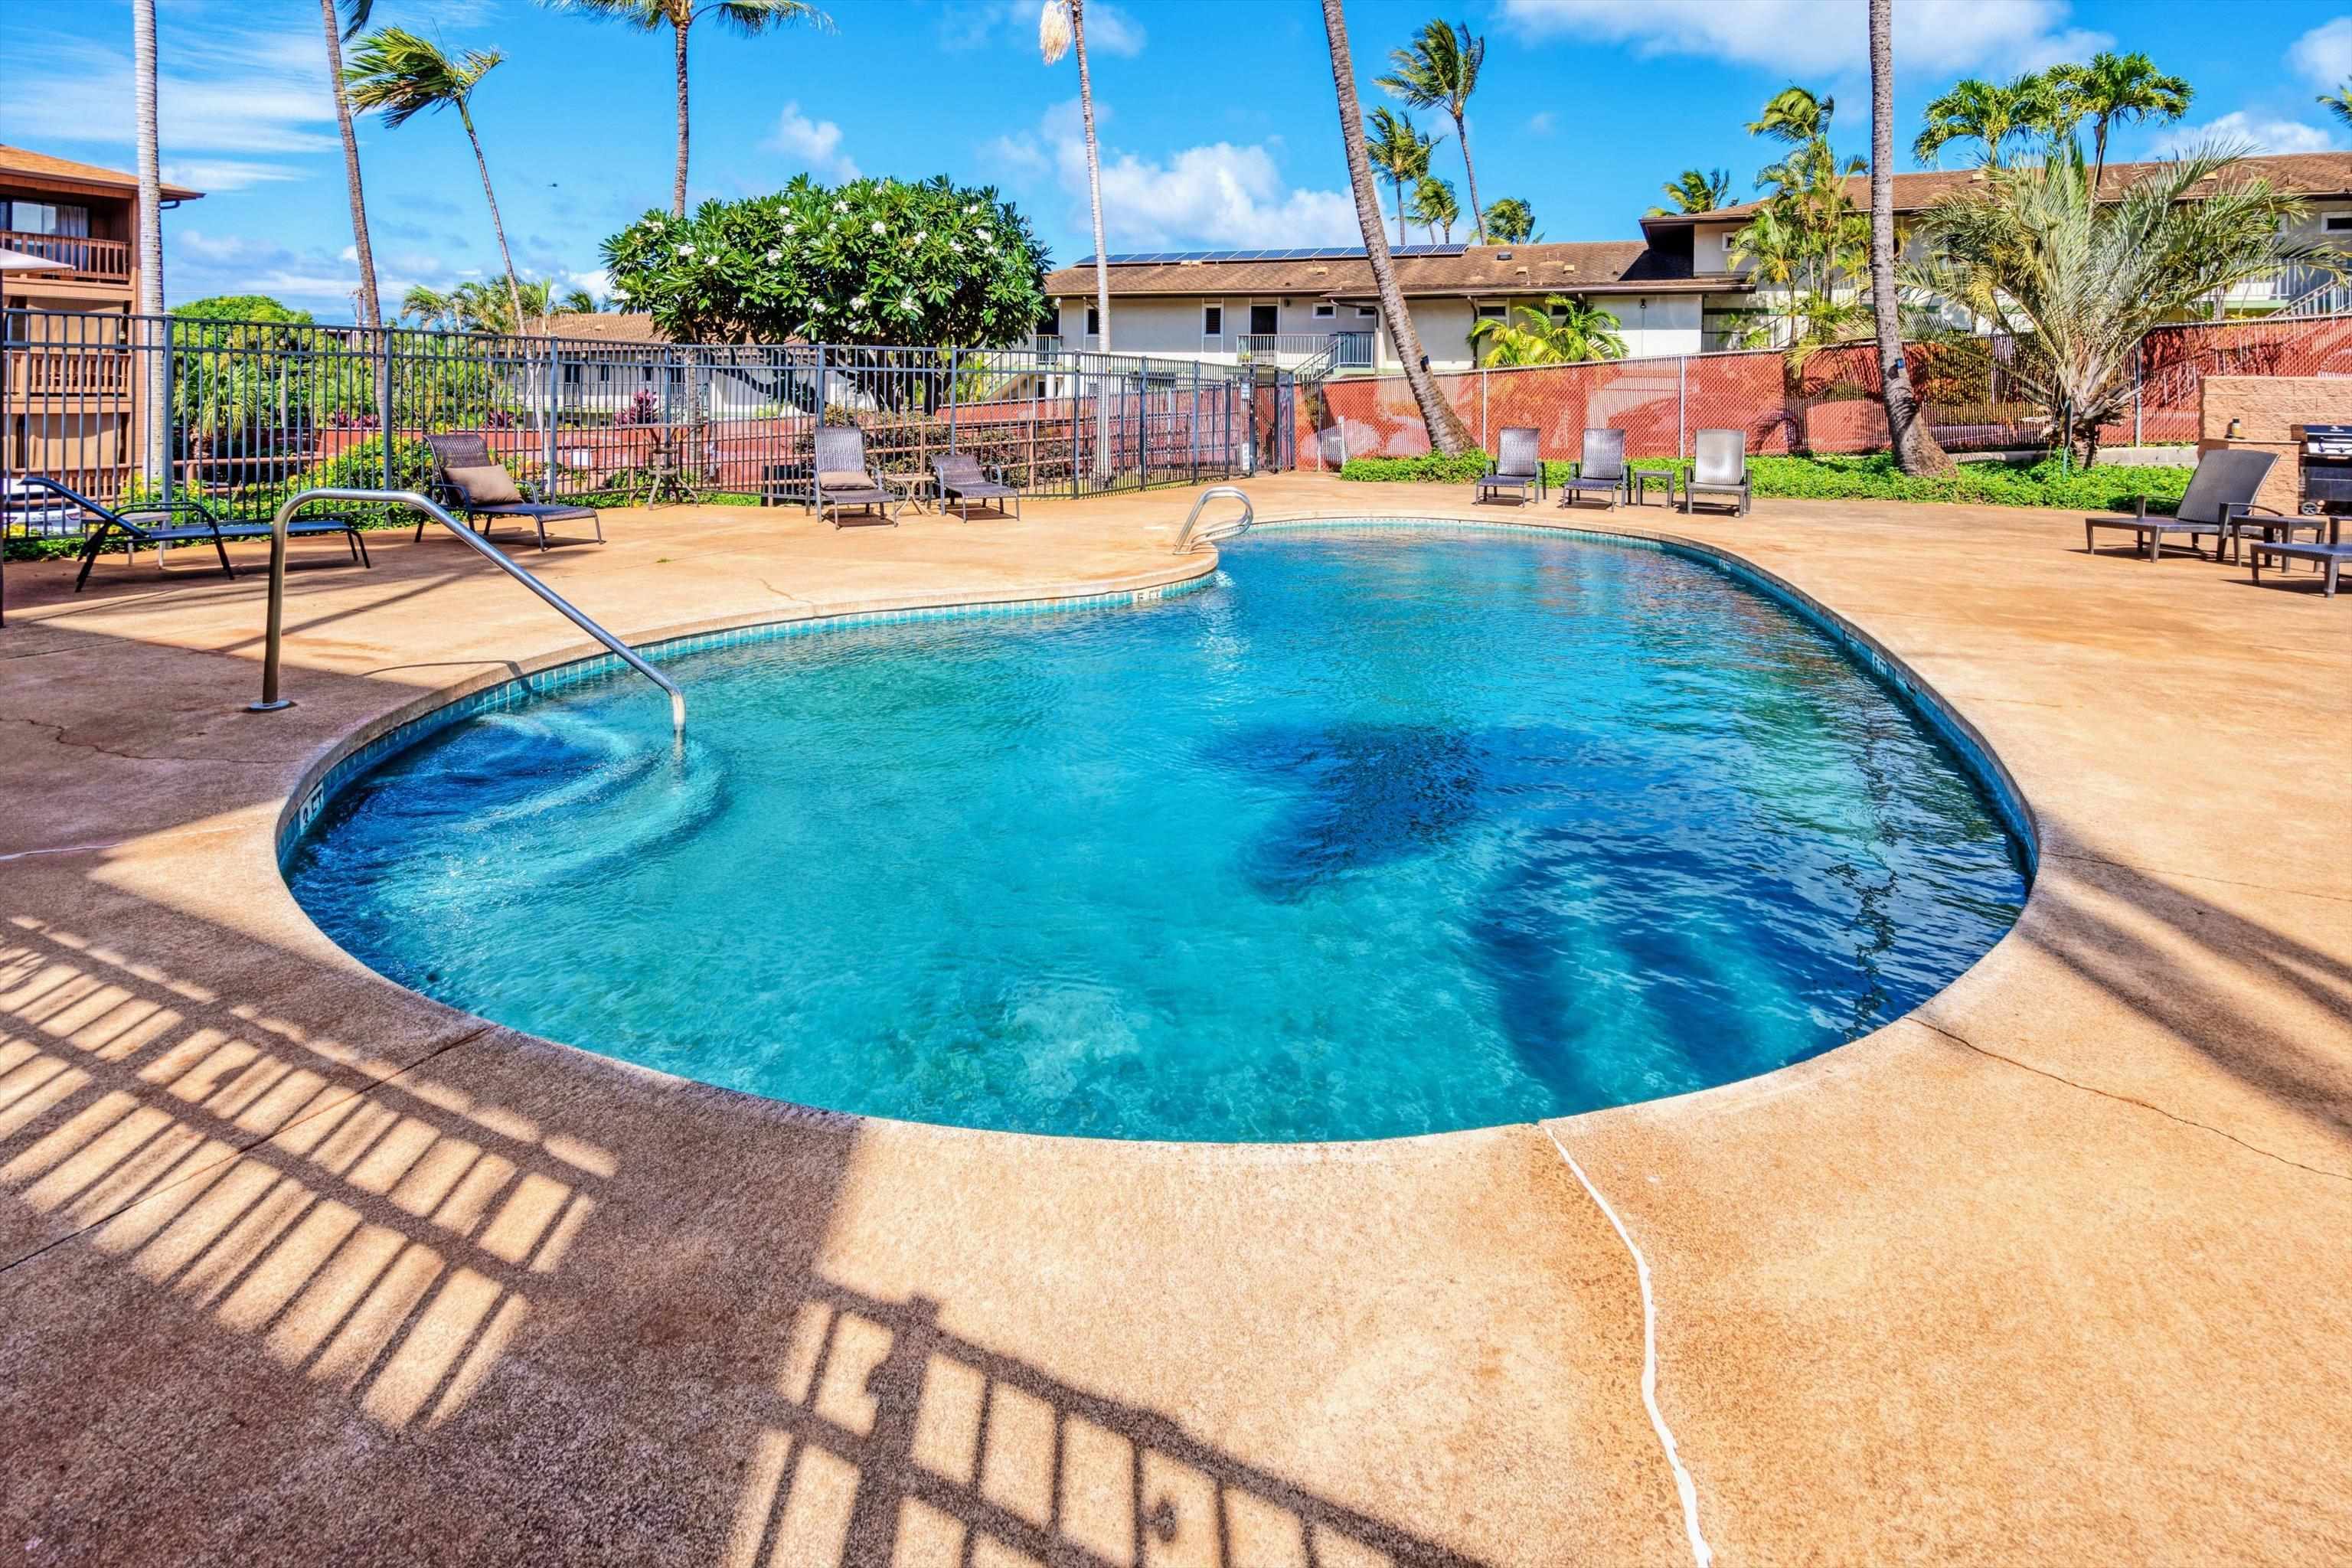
(1188, 540)
(274, 644)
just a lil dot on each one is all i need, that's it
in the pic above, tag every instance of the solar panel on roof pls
(1301, 253)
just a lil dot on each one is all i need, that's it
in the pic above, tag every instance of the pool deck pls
(297, 1267)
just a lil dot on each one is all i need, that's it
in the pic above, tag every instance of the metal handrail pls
(1232, 528)
(271, 702)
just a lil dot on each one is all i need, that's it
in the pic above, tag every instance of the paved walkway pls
(296, 1266)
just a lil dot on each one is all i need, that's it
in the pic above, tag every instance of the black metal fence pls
(242, 414)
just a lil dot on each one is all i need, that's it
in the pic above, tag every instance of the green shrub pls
(1875, 476)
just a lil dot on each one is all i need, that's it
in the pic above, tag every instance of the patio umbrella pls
(17, 261)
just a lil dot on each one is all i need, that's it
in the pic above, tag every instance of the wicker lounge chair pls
(185, 521)
(2329, 558)
(1517, 467)
(843, 482)
(1719, 467)
(483, 489)
(961, 481)
(1602, 471)
(2219, 497)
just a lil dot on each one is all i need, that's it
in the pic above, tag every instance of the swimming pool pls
(1383, 831)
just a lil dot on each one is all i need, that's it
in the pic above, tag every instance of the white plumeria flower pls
(921, 235)
(686, 250)
(858, 303)
(971, 208)
(841, 206)
(775, 256)
(988, 235)
(956, 246)
(907, 302)
(791, 228)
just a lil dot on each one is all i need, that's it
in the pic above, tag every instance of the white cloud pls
(2323, 55)
(225, 173)
(219, 91)
(1815, 36)
(2263, 132)
(1111, 29)
(815, 142)
(1542, 123)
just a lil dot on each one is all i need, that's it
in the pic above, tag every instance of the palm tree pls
(157, 467)
(402, 76)
(1565, 331)
(2114, 89)
(1773, 248)
(1990, 113)
(1794, 115)
(2076, 283)
(1446, 434)
(2339, 103)
(1441, 66)
(1697, 191)
(1062, 26)
(428, 307)
(1511, 221)
(1401, 153)
(1434, 207)
(371, 311)
(1916, 451)
(748, 17)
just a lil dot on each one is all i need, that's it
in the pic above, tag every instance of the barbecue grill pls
(2326, 467)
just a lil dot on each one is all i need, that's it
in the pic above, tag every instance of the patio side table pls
(1644, 477)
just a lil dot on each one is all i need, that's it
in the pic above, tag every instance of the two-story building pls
(1675, 291)
(68, 275)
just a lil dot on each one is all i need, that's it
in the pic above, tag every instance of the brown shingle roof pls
(613, 326)
(1611, 266)
(25, 161)
(2303, 173)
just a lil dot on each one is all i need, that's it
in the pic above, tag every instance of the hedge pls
(2046, 483)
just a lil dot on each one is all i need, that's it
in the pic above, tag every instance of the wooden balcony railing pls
(35, 371)
(102, 261)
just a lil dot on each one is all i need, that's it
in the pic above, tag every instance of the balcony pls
(1347, 350)
(78, 256)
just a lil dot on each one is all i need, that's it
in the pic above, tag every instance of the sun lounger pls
(1719, 467)
(1517, 467)
(2220, 496)
(843, 482)
(2329, 558)
(1602, 471)
(483, 488)
(961, 481)
(183, 521)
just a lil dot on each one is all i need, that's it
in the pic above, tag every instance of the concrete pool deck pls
(298, 1266)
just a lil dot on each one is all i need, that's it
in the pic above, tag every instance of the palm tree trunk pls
(1477, 213)
(371, 309)
(1446, 432)
(1916, 448)
(156, 460)
(2099, 154)
(1094, 172)
(1400, 205)
(514, 289)
(677, 184)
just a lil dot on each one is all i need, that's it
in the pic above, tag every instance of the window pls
(604, 372)
(1265, 321)
(678, 375)
(1492, 312)
(2339, 223)
(1094, 322)
(1212, 320)
(1326, 311)
(45, 217)
(649, 373)
(570, 376)
(1368, 313)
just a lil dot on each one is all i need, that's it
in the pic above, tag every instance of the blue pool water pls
(1384, 832)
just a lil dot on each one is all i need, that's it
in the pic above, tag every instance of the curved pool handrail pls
(1232, 528)
(271, 702)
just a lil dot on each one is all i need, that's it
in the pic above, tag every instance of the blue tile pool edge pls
(358, 753)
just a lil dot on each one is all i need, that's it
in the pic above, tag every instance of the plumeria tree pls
(873, 261)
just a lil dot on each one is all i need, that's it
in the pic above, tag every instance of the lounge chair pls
(843, 482)
(1719, 467)
(2219, 497)
(962, 480)
(2329, 558)
(1517, 467)
(183, 521)
(1603, 469)
(483, 488)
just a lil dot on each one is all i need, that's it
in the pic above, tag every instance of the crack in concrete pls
(240, 1151)
(2130, 1099)
(58, 736)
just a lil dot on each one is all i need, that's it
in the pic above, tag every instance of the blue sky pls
(1217, 119)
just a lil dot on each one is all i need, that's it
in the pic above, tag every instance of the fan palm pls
(1401, 153)
(1993, 114)
(748, 17)
(1511, 221)
(1697, 191)
(1916, 451)
(1564, 332)
(1061, 27)
(2077, 283)
(1440, 68)
(2114, 89)
(1446, 433)
(400, 75)
(1434, 207)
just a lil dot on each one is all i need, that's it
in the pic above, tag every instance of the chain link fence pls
(1827, 404)
(242, 414)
